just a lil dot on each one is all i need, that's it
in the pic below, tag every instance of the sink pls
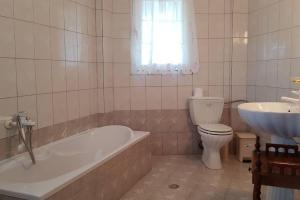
(278, 121)
(272, 118)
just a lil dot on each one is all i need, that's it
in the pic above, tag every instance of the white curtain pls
(163, 38)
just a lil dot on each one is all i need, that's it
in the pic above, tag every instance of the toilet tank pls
(206, 110)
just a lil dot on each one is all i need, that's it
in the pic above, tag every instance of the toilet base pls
(212, 145)
(212, 159)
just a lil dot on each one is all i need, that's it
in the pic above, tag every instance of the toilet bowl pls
(214, 137)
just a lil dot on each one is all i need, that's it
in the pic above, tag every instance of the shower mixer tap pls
(24, 126)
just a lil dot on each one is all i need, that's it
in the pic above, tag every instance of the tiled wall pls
(274, 48)
(48, 60)
(222, 33)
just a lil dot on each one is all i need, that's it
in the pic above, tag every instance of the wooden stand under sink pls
(278, 166)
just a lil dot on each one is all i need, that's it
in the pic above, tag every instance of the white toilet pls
(206, 113)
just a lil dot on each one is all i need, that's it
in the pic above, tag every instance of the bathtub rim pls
(137, 137)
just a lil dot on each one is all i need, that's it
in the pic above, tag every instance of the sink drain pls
(174, 186)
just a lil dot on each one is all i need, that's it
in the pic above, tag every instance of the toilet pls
(206, 114)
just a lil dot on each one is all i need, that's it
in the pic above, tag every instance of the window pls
(162, 37)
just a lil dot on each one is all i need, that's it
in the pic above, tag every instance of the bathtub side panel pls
(114, 178)
(3, 197)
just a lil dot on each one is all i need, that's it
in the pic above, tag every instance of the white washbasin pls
(272, 118)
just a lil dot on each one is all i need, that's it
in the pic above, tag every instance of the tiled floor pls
(196, 182)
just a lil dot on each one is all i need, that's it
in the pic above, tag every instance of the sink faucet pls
(24, 126)
(293, 100)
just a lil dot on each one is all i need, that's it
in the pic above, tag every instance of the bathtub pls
(61, 163)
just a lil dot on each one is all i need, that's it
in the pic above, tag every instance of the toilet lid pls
(215, 129)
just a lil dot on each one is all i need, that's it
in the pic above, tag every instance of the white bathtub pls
(64, 161)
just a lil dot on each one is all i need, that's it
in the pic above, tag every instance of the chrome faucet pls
(293, 100)
(24, 126)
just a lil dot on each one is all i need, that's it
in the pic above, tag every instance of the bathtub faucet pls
(292, 100)
(24, 126)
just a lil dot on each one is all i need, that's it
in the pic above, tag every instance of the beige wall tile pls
(8, 80)
(71, 46)
(101, 100)
(6, 8)
(23, 9)
(24, 38)
(42, 48)
(83, 70)
(57, 44)
(73, 105)
(25, 77)
(29, 105)
(121, 75)
(72, 75)
(59, 107)
(82, 19)
(94, 101)
(7, 41)
(44, 110)
(122, 6)
(59, 76)
(153, 95)
(43, 71)
(169, 98)
(138, 98)
(57, 13)
(41, 10)
(108, 100)
(84, 103)
(70, 12)
(122, 98)
(8, 106)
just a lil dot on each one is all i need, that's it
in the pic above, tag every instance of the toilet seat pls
(215, 129)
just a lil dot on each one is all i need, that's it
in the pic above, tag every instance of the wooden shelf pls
(278, 166)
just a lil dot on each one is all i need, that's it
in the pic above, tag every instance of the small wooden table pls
(278, 166)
